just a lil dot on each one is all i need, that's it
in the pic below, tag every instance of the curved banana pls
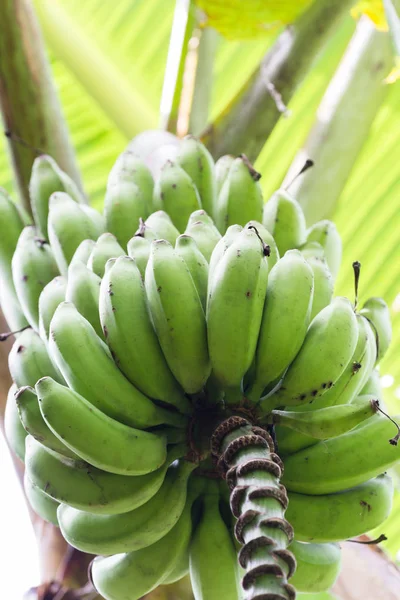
(325, 233)
(267, 238)
(187, 248)
(50, 297)
(130, 335)
(41, 503)
(68, 226)
(89, 489)
(344, 461)
(284, 218)
(34, 424)
(285, 319)
(83, 251)
(240, 198)
(327, 348)
(33, 266)
(176, 193)
(323, 280)
(28, 360)
(222, 168)
(83, 290)
(106, 247)
(202, 229)
(236, 298)
(377, 312)
(10, 306)
(177, 316)
(195, 159)
(161, 227)
(139, 249)
(14, 431)
(95, 437)
(373, 385)
(337, 517)
(318, 566)
(111, 534)
(129, 167)
(124, 204)
(221, 247)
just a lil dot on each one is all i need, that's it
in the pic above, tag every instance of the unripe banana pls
(105, 248)
(139, 249)
(89, 370)
(240, 198)
(90, 489)
(83, 251)
(14, 431)
(325, 233)
(176, 193)
(323, 280)
(187, 248)
(285, 320)
(327, 348)
(178, 316)
(221, 247)
(34, 424)
(284, 218)
(43, 505)
(13, 225)
(222, 168)
(33, 266)
(202, 229)
(28, 360)
(124, 204)
(160, 227)
(337, 517)
(111, 534)
(198, 163)
(68, 226)
(377, 312)
(83, 289)
(51, 296)
(267, 238)
(131, 337)
(129, 167)
(10, 306)
(47, 178)
(318, 566)
(96, 438)
(213, 562)
(234, 312)
(344, 461)
(373, 385)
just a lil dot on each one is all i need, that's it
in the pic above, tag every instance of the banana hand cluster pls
(156, 344)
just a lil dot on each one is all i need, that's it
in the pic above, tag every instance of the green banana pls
(235, 306)
(323, 280)
(187, 248)
(83, 251)
(41, 503)
(130, 335)
(28, 360)
(318, 566)
(327, 349)
(159, 226)
(105, 248)
(177, 316)
(202, 229)
(176, 193)
(212, 556)
(50, 297)
(95, 437)
(336, 517)
(68, 226)
(139, 249)
(111, 534)
(326, 234)
(344, 461)
(34, 424)
(128, 167)
(240, 198)
(373, 385)
(222, 168)
(10, 306)
(267, 238)
(47, 178)
(83, 290)
(141, 571)
(198, 163)
(221, 247)
(284, 218)
(89, 370)
(14, 431)
(33, 266)
(124, 204)
(285, 319)
(377, 312)
(84, 487)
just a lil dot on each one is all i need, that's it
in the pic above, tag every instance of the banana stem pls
(252, 470)
(31, 112)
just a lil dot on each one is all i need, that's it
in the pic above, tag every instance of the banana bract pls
(189, 396)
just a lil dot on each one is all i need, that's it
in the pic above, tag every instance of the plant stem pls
(246, 457)
(201, 102)
(255, 111)
(28, 101)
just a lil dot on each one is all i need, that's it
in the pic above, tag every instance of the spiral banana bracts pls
(188, 312)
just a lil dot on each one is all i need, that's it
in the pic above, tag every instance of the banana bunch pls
(186, 336)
